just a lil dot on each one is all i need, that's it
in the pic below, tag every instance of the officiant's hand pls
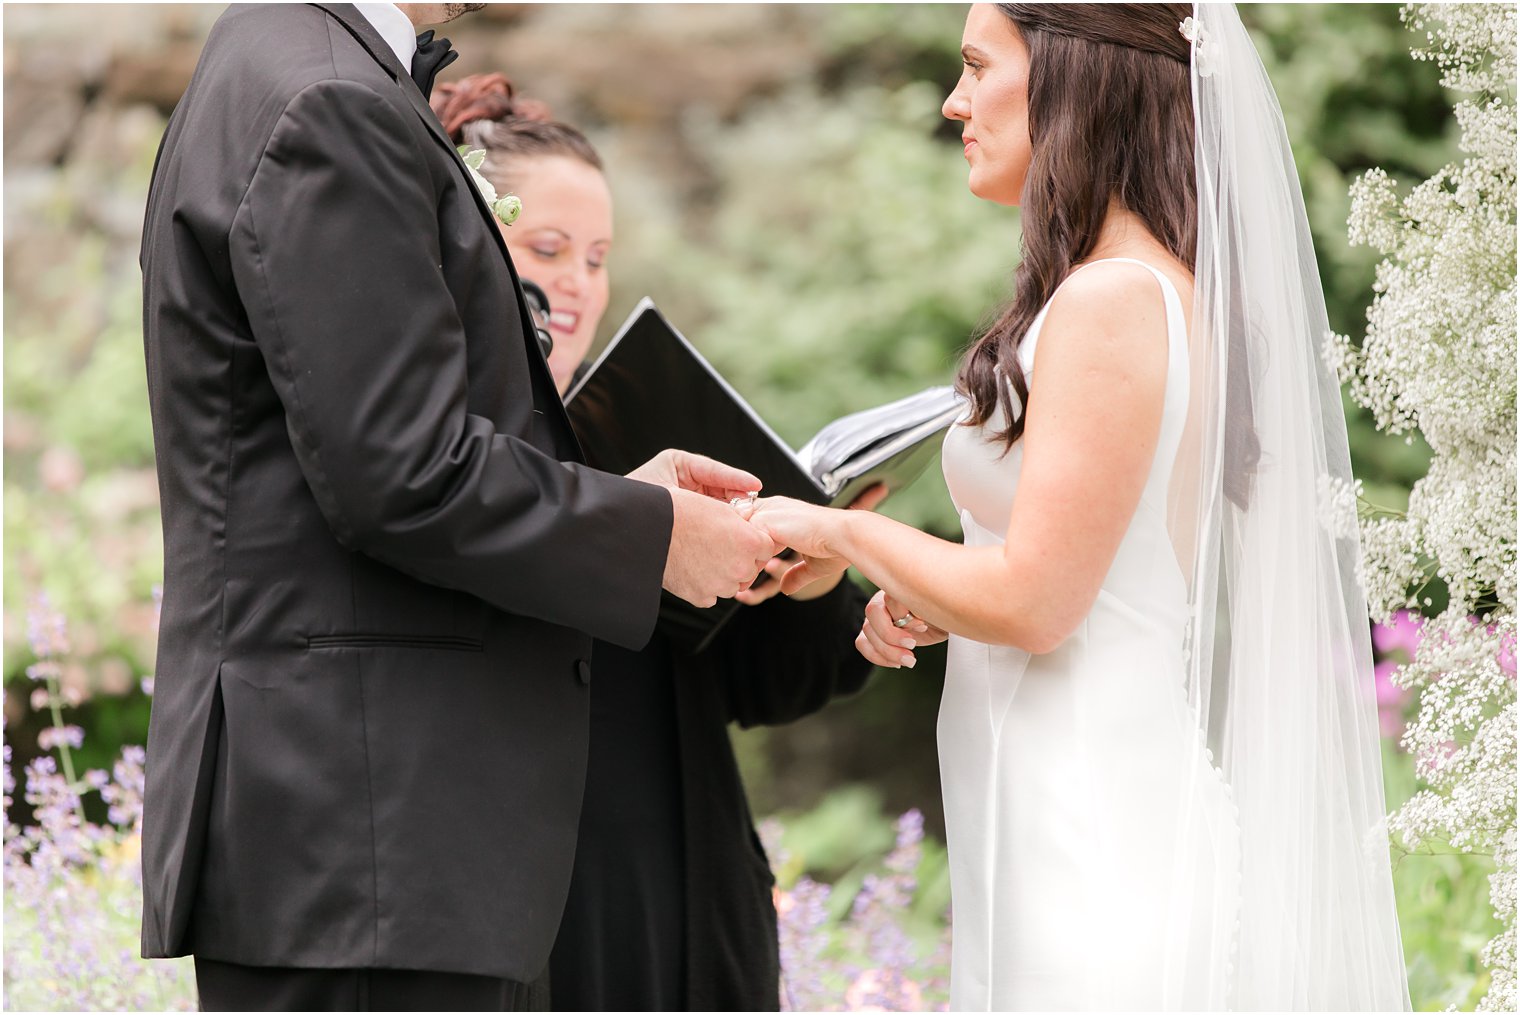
(777, 567)
(884, 643)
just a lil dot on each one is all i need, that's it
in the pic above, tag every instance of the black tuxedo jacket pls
(384, 564)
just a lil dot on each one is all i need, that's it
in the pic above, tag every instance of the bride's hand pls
(884, 643)
(806, 528)
(779, 566)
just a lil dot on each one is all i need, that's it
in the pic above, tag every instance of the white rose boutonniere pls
(505, 208)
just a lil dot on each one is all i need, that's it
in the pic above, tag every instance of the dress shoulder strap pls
(1168, 287)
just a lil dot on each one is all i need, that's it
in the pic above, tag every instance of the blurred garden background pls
(788, 193)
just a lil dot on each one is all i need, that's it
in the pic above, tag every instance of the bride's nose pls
(957, 104)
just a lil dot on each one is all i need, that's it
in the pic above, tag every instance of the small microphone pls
(538, 310)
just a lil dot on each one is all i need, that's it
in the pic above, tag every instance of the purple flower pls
(73, 902)
(1400, 635)
(802, 915)
(56, 736)
(1397, 642)
(46, 629)
(10, 780)
(1391, 699)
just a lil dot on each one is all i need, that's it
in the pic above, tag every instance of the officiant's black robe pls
(670, 904)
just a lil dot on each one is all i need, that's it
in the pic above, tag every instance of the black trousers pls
(227, 986)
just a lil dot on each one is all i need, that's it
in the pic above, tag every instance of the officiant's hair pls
(485, 111)
(1110, 118)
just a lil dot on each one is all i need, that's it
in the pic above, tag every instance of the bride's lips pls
(968, 142)
(564, 321)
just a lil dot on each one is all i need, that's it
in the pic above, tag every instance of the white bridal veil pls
(1279, 669)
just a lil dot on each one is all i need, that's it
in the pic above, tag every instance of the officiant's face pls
(561, 241)
(991, 101)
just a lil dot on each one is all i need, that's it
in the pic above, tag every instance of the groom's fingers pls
(707, 475)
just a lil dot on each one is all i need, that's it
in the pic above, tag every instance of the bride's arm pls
(1089, 438)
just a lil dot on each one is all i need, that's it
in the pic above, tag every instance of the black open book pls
(650, 390)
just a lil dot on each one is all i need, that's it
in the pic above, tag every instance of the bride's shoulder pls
(1109, 302)
(1112, 283)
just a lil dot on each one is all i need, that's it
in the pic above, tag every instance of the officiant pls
(670, 903)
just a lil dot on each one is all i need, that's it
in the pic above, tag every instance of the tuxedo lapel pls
(364, 33)
(360, 28)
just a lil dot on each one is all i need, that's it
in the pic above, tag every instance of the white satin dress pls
(1094, 850)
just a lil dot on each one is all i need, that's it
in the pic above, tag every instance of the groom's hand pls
(682, 470)
(714, 552)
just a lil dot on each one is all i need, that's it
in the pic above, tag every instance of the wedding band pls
(904, 620)
(746, 501)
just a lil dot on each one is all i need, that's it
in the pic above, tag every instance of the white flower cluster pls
(507, 208)
(1439, 355)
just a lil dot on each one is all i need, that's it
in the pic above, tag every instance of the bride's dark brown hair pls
(1110, 121)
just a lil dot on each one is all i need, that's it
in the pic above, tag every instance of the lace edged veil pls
(1279, 664)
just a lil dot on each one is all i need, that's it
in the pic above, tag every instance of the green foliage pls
(1444, 912)
(81, 512)
(847, 829)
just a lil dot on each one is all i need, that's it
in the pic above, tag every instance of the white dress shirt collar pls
(395, 28)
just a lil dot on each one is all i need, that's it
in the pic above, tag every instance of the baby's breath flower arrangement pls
(1439, 356)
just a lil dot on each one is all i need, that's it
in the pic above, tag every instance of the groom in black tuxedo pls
(384, 562)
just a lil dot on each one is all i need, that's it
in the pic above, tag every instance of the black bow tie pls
(432, 56)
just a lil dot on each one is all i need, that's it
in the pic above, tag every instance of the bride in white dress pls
(1157, 739)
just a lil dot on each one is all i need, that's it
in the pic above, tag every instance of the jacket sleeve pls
(336, 256)
(785, 659)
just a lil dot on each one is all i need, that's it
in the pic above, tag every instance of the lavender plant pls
(73, 891)
(1439, 356)
(73, 888)
(869, 960)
